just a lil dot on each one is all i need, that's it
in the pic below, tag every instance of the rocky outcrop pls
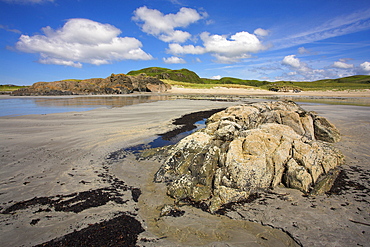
(248, 148)
(143, 83)
(114, 84)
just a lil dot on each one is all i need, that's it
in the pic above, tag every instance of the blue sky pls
(48, 40)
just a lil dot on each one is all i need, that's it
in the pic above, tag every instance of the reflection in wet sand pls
(18, 106)
(98, 101)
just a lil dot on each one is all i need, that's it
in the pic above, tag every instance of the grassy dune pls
(356, 82)
(203, 85)
(190, 79)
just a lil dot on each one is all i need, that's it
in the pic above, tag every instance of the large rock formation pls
(114, 84)
(248, 148)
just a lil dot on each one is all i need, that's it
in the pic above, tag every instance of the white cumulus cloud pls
(82, 41)
(365, 68)
(261, 32)
(173, 59)
(292, 61)
(164, 26)
(53, 60)
(175, 48)
(299, 68)
(239, 44)
(216, 77)
(342, 65)
(301, 71)
(225, 49)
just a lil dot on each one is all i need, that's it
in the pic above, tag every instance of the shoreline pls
(49, 155)
(223, 91)
(260, 92)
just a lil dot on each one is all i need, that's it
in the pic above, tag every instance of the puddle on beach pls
(185, 125)
(161, 141)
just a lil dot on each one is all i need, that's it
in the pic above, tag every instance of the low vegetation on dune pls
(204, 85)
(189, 79)
(356, 82)
(236, 81)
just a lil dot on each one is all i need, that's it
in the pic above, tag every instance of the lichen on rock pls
(248, 148)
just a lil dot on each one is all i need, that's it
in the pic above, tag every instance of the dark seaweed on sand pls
(119, 231)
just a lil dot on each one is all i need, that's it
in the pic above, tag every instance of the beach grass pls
(205, 86)
(10, 88)
(353, 83)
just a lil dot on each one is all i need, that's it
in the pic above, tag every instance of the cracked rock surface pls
(250, 148)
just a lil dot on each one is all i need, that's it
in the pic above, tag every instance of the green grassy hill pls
(183, 75)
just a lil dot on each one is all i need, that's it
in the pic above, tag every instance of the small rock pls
(171, 210)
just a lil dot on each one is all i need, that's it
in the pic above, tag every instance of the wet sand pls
(48, 162)
(55, 167)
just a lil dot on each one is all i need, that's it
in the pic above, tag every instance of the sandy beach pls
(48, 162)
(252, 92)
